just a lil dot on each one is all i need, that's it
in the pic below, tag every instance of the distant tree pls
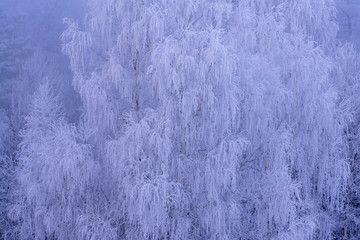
(13, 48)
(6, 171)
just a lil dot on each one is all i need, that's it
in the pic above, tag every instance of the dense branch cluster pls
(206, 119)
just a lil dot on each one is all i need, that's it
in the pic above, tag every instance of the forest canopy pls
(206, 119)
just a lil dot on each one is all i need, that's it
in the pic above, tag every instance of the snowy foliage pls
(199, 120)
(55, 167)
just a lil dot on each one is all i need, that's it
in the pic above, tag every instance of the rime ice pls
(172, 120)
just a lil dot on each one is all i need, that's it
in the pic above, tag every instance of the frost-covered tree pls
(313, 114)
(347, 78)
(214, 119)
(164, 123)
(54, 173)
